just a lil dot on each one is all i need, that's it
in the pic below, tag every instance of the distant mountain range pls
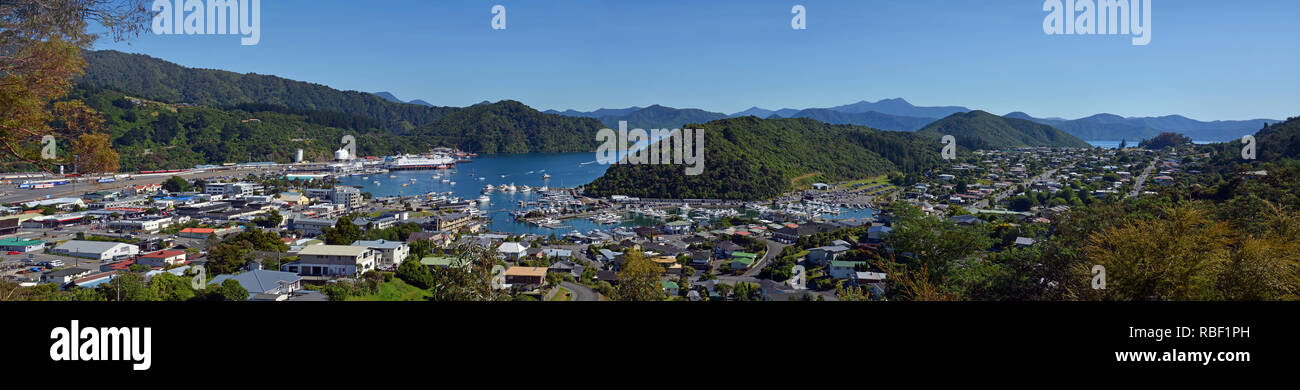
(156, 79)
(389, 97)
(900, 115)
(872, 119)
(604, 112)
(1115, 127)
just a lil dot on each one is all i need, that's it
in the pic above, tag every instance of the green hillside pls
(509, 126)
(660, 117)
(749, 158)
(982, 130)
(141, 75)
(149, 134)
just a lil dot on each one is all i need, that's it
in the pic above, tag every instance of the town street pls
(1137, 184)
(1027, 182)
(580, 292)
(773, 249)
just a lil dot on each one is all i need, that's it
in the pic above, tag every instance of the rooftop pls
(333, 250)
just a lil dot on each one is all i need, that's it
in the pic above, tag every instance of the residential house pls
(163, 258)
(701, 259)
(311, 226)
(823, 255)
(391, 252)
(64, 276)
(333, 260)
(742, 260)
(439, 239)
(264, 284)
(526, 278)
(443, 261)
(677, 227)
(843, 269)
(725, 248)
(670, 288)
(513, 250)
(878, 233)
(452, 221)
(965, 220)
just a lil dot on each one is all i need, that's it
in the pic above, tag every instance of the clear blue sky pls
(1207, 59)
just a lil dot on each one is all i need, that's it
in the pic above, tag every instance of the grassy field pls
(563, 295)
(882, 179)
(804, 181)
(395, 290)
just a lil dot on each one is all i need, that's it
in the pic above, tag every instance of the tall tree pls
(638, 279)
(40, 55)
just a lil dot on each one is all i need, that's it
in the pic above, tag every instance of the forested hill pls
(145, 76)
(155, 135)
(982, 130)
(509, 126)
(749, 158)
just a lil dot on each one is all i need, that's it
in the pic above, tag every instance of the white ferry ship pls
(421, 163)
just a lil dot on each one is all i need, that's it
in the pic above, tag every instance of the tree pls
(270, 220)
(638, 279)
(344, 232)
(934, 243)
(474, 281)
(228, 257)
(176, 184)
(126, 287)
(94, 154)
(415, 273)
(41, 42)
(169, 287)
(231, 290)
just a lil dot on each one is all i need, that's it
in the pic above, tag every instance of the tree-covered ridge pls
(982, 130)
(749, 158)
(141, 75)
(660, 117)
(872, 119)
(509, 126)
(155, 135)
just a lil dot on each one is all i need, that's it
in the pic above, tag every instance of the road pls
(773, 249)
(11, 193)
(799, 280)
(1137, 184)
(983, 204)
(580, 292)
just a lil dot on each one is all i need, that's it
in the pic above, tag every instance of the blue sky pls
(1208, 60)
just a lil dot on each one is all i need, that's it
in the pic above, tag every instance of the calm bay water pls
(567, 170)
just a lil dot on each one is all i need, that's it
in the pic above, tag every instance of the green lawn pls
(868, 182)
(563, 295)
(396, 290)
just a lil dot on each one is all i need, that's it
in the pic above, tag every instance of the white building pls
(333, 260)
(390, 252)
(231, 190)
(99, 250)
(513, 250)
(147, 225)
